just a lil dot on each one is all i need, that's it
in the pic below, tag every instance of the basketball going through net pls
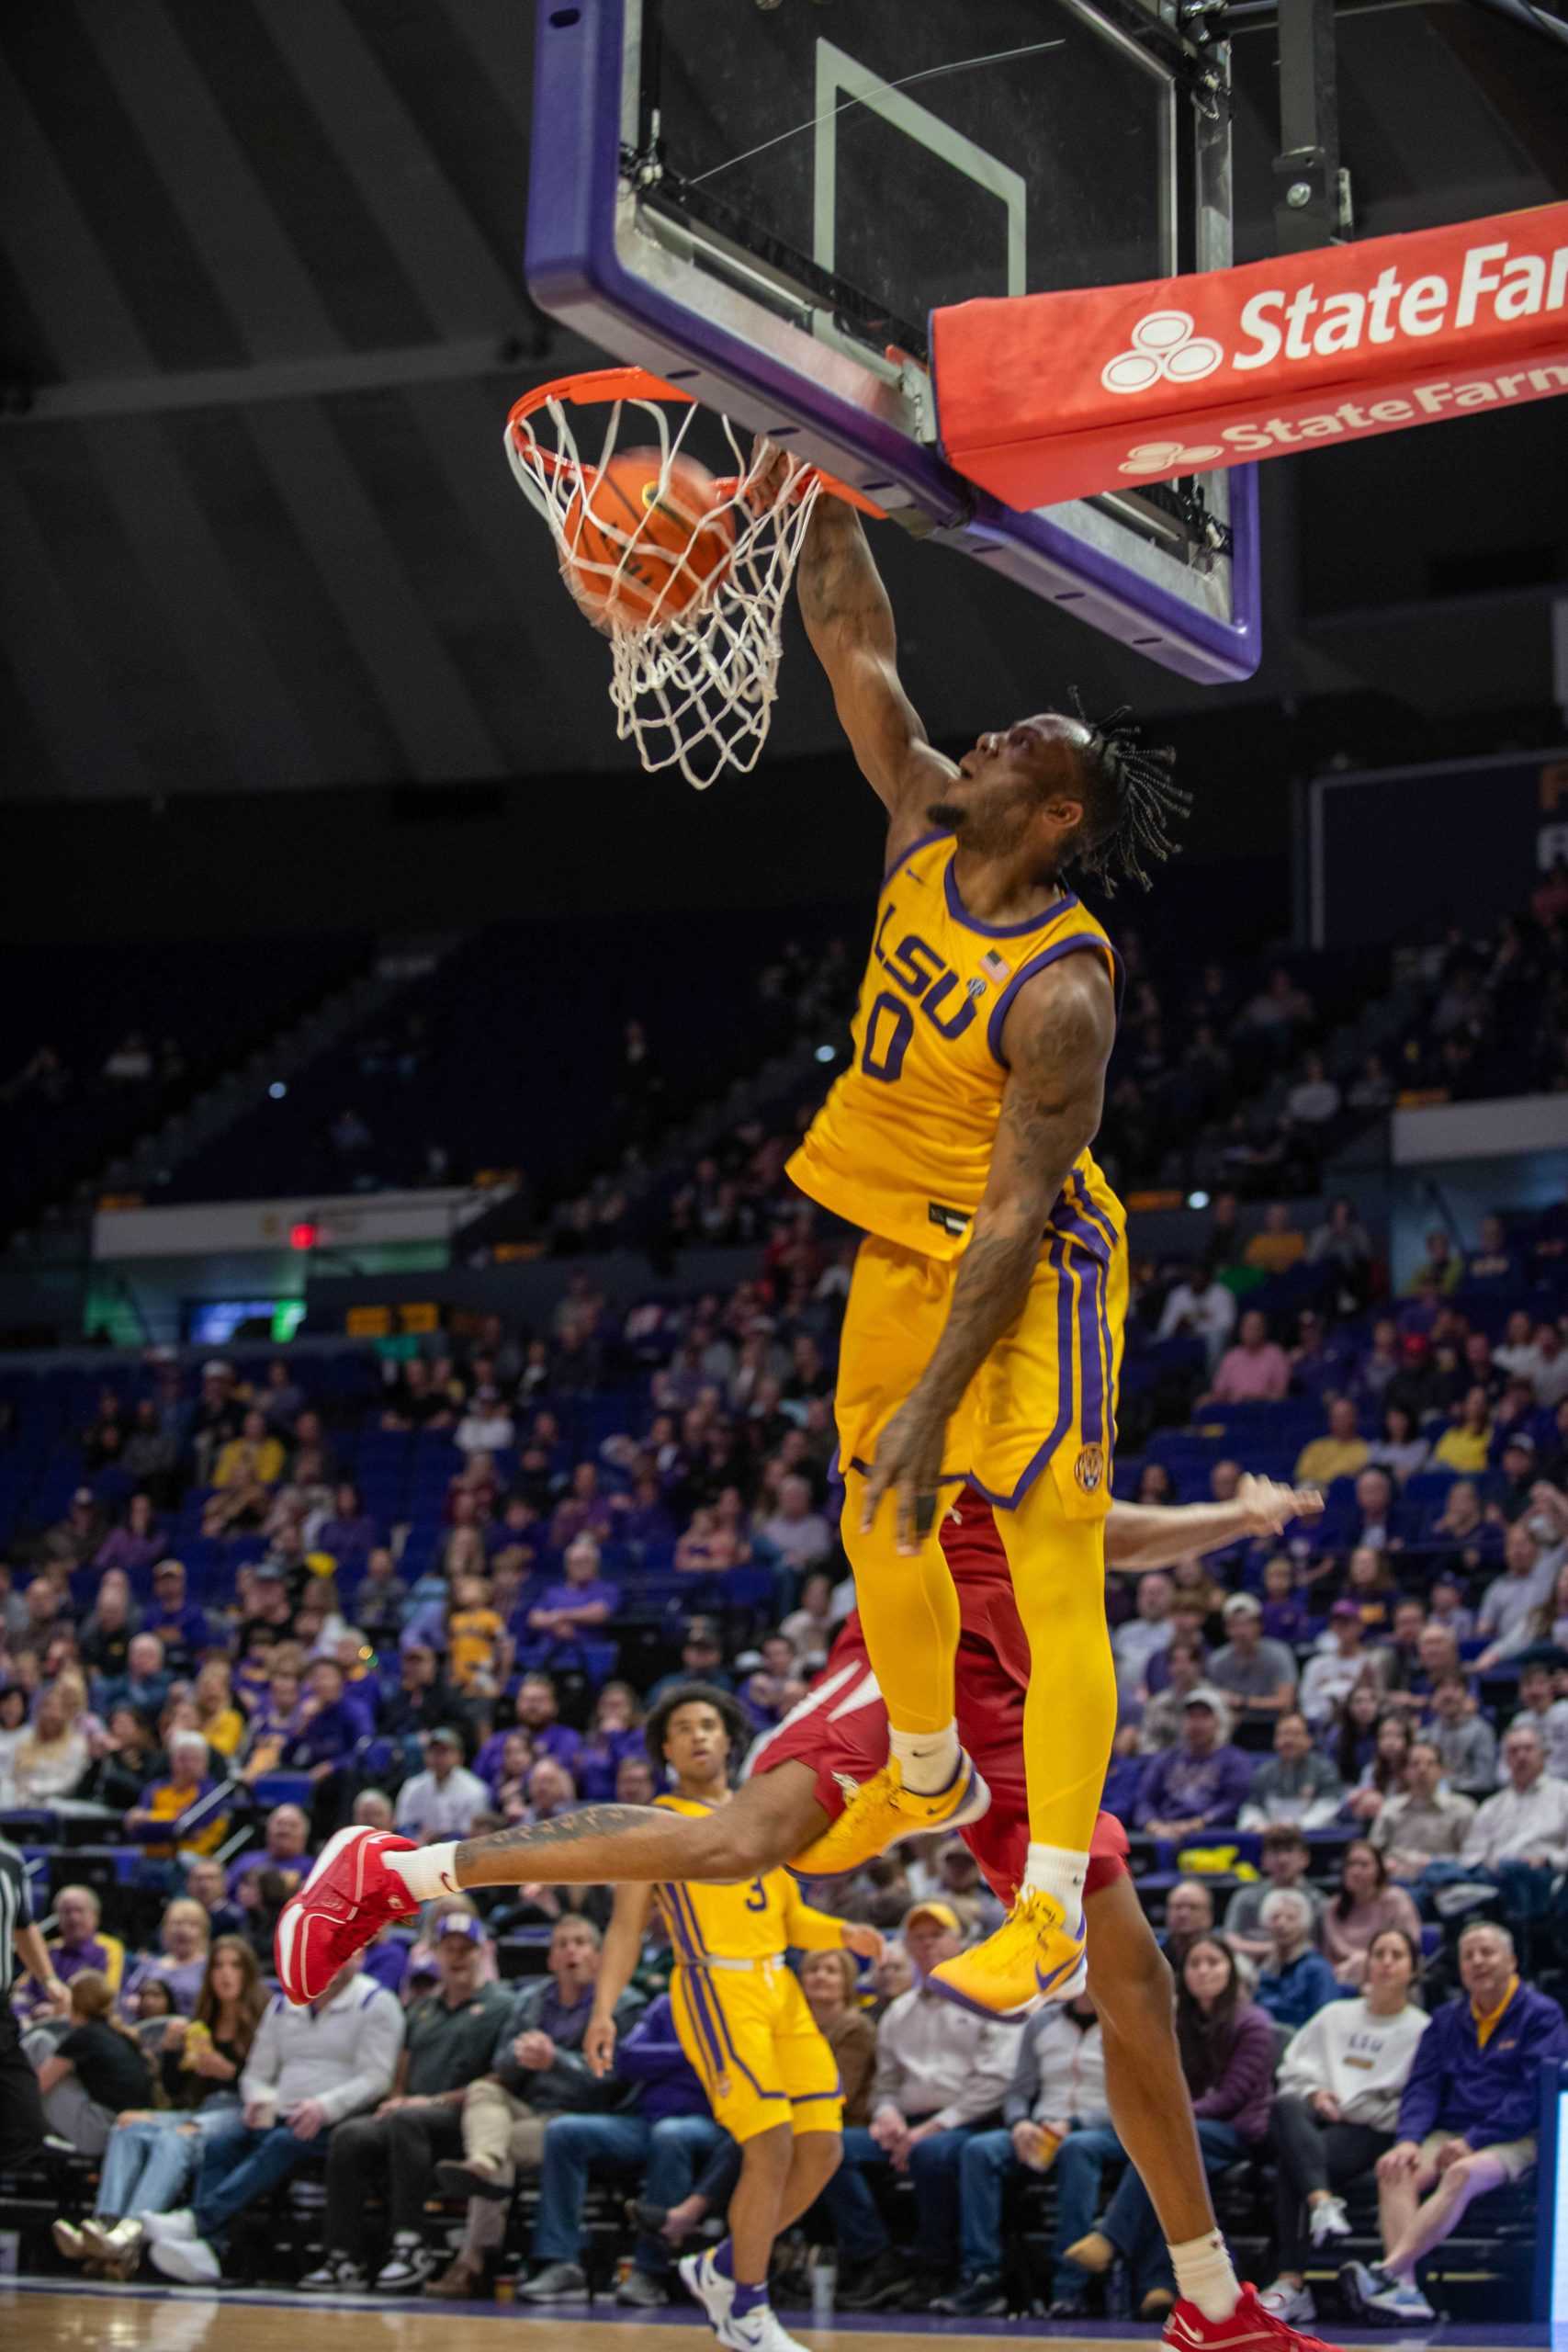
(685, 571)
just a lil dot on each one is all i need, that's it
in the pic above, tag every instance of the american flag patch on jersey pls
(995, 966)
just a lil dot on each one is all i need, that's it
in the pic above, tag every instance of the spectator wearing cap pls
(1294, 1980)
(444, 1800)
(448, 2039)
(1202, 1783)
(1256, 1677)
(1297, 1787)
(1333, 1672)
(1341, 1452)
(702, 1661)
(1256, 1370)
(179, 1624)
(943, 2073)
(1467, 2120)
(1509, 1604)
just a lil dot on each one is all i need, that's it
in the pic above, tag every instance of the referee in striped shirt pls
(21, 2109)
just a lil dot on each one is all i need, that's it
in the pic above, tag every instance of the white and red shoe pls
(1249, 2328)
(348, 1898)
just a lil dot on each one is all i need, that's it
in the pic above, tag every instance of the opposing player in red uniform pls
(802, 1775)
(800, 1779)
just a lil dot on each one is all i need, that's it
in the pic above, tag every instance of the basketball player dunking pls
(983, 1335)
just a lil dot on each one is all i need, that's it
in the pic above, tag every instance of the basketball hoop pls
(693, 615)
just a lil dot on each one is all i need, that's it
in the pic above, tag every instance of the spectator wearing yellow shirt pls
(1440, 1269)
(218, 1719)
(1467, 1446)
(1279, 1245)
(248, 1468)
(168, 1799)
(476, 1640)
(1341, 1453)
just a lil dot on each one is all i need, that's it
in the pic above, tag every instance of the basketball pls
(646, 539)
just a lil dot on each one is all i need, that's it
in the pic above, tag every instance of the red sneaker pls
(348, 1895)
(1248, 2329)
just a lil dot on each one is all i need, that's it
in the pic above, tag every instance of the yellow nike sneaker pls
(1033, 1957)
(879, 1811)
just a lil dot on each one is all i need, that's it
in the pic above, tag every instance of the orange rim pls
(601, 386)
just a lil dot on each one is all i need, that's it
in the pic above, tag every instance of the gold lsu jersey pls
(755, 1919)
(903, 1144)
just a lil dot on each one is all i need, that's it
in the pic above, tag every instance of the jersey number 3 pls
(756, 1896)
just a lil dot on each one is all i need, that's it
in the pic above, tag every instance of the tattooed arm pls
(849, 622)
(1057, 1042)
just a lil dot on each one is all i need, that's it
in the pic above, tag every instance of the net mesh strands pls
(694, 650)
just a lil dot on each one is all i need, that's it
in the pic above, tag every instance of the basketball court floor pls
(68, 2317)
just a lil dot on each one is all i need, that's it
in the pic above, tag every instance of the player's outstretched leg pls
(1058, 1580)
(909, 1612)
(367, 1877)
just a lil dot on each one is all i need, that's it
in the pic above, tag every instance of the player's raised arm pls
(849, 622)
(1056, 1042)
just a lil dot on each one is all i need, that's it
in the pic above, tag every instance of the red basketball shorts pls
(840, 1728)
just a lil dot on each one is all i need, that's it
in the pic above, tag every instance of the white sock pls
(1206, 2276)
(928, 1760)
(429, 1873)
(1058, 1871)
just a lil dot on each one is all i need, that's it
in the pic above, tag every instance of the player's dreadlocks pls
(1133, 805)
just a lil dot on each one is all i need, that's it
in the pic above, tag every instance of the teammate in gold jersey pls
(770, 2078)
(983, 1334)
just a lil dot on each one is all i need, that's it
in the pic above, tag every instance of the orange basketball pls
(644, 541)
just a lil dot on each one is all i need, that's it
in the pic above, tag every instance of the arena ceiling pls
(263, 313)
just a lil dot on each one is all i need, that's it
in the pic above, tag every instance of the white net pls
(694, 628)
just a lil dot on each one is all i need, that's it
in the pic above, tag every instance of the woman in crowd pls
(1336, 2109)
(1370, 1583)
(1352, 1735)
(1401, 1450)
(94, 2072)
(153, 2154)
(52, 1755)
(184, 1934)
(1156, 1484)
(1227, 2056)
(1294, 1980)
(810, 1628)
(1383, 1776)
(1366, 1904)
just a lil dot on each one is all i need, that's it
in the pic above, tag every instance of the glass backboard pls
(764, 204)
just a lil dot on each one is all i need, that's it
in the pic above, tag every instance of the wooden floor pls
(72, 2319)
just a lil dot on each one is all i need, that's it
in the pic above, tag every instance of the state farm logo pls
(1158, 457)
(1164, 345)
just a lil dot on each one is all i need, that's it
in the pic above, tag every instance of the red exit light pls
(304, 1236)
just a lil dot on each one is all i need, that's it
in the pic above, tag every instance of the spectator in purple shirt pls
(1201, 1785)
(641, 1518)
(583, 1601)
(136, 1544)
(536, 1710)
(614, 1734)
(283, 1847)
(331, 1725)
(585, 1510)
(350, 1534)
(179, 1624)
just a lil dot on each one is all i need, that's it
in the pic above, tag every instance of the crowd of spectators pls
(243, 1632)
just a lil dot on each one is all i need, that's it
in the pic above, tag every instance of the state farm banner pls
(1047, 397)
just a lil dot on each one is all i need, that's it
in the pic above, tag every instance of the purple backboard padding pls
(575, 273)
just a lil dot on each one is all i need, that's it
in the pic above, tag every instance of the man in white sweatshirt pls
(1059, 2086)
(307, 2070)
